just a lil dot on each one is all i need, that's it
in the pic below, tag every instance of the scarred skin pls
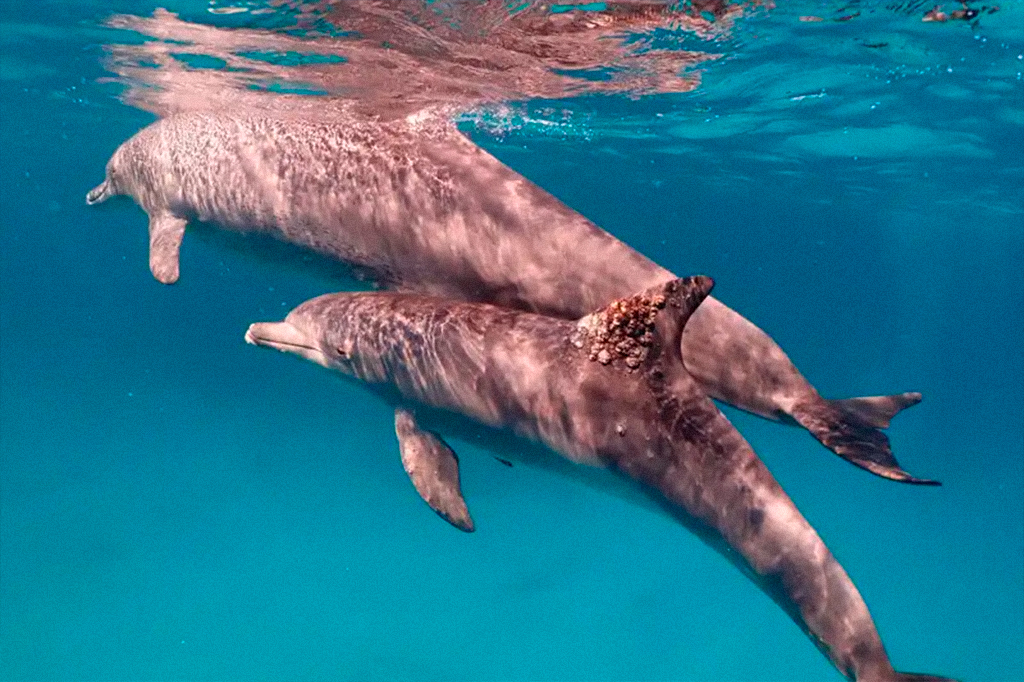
(419, 207)
(609, 390)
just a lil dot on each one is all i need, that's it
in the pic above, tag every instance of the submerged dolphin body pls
(609, 390)
(419, 207)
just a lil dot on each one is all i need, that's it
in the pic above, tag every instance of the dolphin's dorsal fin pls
(682, 298)
(434, 470)
(626, 330)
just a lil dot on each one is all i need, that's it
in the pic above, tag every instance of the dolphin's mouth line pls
(283, 337)
(98, 194)
(280, 345)
(276, 343)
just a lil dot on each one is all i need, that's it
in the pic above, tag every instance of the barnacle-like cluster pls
(624, 330)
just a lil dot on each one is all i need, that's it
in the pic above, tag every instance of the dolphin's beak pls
(285, 337)
(99, 194)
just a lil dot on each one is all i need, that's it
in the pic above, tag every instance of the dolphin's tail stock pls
(851, 429)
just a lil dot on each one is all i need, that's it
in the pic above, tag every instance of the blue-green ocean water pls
(177, 505)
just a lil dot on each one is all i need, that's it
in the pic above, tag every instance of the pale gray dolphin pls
(419, 207)
(608, 390)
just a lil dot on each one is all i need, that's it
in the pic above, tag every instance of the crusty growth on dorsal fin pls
(622, 331)
(628, 328)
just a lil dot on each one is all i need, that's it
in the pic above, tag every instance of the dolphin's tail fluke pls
(877, 410)
(851, 429)
(917, 677)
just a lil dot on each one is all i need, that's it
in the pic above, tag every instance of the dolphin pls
(608, 390)
(417, 206)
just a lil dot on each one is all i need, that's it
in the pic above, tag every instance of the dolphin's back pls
(503, 368)
(419, 209)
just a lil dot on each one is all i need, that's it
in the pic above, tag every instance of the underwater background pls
(177, 505)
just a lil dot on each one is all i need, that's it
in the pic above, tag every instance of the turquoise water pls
(178, 505)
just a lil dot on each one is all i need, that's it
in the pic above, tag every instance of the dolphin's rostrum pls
(608, 390)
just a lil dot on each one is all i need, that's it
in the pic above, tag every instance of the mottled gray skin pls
(609, 390)
(422, 208)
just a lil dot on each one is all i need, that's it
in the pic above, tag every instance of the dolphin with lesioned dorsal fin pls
(419, 207)
(609, 390)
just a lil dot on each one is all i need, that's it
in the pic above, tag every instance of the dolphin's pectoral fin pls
(434, 470)
(165, 235)
(855, 441)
